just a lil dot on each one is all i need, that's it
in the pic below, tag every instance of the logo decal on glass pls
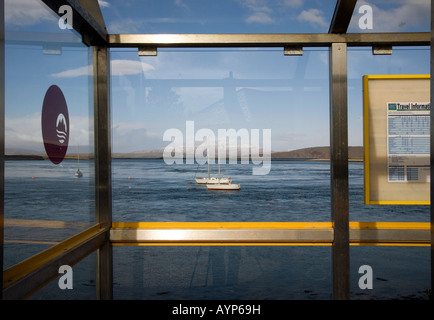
(55, 124)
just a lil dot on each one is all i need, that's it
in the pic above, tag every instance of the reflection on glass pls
(82, 285)
(224, 16)
(391, 16)
(401, 273)
(185, 102)
(222, 273)
(44, 202)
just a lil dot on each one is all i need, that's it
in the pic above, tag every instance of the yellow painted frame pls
(366, 79)
(353, 225)
(45, 258)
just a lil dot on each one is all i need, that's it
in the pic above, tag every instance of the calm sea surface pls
(150, 190)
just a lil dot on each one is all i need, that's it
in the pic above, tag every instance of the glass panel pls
(391, 16)
(222, 273)
(49, 132)
(196, 97)
(401, 273)
(76, 284)
(361, 61)
(224, 16)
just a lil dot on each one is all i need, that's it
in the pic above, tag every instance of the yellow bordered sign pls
(396, 139)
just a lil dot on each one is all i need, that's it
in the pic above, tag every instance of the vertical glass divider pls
(103, 183)
(339, 170)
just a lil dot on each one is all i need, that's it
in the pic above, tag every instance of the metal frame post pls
(339, 170)
(103, 184)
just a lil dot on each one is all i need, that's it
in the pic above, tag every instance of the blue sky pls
(224, 16)
(218, 89)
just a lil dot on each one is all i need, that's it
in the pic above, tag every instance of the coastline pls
(75, 157)
(355, 154)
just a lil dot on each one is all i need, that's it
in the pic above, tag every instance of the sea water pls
(150, 190)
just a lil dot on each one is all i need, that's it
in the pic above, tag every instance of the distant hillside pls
(354, 153)
(23, 157)
(323, 153)
(139, 154)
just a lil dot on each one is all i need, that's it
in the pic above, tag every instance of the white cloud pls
(260, 17)
(72, 73)
(181, 4)
(81, 128)
(195, 98)
(313, 16)
(25, 133)
(129, 67)
(103, 4)
(118, 68)
(26, 12)
(261, 12)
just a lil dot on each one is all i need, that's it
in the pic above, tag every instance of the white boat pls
(212, 180)
(78, 173)
(223, 186)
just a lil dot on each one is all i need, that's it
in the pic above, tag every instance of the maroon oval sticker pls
(55, 124)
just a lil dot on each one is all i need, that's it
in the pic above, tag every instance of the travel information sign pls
(397, 139)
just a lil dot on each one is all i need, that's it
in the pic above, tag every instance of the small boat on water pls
(223, 186)
(78, 173)
(213, 180)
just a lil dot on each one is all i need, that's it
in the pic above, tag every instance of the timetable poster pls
(408, 141)
(396, 139)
